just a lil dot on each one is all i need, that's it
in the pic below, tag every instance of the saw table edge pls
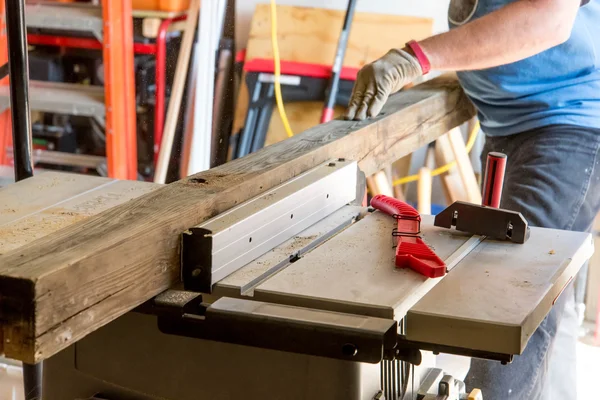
(510, 338)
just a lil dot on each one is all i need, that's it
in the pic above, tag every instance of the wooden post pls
(424, 191)
(185, 51)
(465, 168)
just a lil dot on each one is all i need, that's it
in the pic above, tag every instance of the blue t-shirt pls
(558, 86)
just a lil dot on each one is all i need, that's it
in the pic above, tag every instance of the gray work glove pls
(377, 80)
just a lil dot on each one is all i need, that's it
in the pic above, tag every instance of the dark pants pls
(553, 179)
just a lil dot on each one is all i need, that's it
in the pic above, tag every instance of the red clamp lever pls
(409, 219)
(412, 252)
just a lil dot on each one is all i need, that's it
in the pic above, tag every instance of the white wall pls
(436, 9)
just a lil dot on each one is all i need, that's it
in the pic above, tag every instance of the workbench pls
(490, 303)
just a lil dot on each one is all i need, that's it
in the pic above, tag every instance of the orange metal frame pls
(119, 87)
(119, 78)
(5, 125)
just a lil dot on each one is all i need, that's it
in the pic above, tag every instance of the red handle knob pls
(494, 179)
(394, 207)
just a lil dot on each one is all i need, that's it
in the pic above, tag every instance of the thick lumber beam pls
(60, 288)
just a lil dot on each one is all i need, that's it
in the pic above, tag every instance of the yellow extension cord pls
(286, 123)
(278, 97)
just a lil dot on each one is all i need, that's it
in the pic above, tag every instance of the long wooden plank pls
(465, 168)
(46, 188)
(68, 285)
(50, 201)
(181, 72)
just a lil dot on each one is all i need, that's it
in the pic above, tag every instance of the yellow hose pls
(277, 61)
(443, 168)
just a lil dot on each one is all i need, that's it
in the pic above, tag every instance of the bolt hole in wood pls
(197, 180)
(196, 273)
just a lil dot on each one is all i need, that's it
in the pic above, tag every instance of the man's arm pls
(514, 32)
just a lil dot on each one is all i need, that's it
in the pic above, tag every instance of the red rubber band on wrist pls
(421, 57)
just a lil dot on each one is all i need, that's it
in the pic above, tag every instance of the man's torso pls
(558, 86)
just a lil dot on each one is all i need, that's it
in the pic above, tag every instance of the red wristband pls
(421, 57)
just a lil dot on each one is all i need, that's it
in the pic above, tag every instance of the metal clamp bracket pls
(494, 223)
(280, 327)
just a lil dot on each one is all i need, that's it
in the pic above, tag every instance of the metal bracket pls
(279, 327)
(495, 223)
(460, 351)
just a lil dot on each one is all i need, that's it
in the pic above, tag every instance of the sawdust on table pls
(35, 227)
(266, 261)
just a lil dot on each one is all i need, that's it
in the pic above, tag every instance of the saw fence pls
(61, 287)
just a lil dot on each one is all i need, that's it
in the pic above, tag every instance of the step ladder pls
(62, 98)
(77, 17)
(112, 106)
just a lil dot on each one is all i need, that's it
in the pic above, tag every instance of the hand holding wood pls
(377, 80)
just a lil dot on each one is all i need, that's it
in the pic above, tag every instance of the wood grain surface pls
(40, 206)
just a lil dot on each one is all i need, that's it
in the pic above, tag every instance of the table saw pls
(294, 295)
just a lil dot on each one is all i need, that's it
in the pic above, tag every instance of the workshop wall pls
(436, 9)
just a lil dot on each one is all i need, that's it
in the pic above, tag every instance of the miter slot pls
(217, 248)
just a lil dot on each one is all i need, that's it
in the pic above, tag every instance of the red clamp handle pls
(409, 219)
(494, 179)
(394, 207)
(412, 252)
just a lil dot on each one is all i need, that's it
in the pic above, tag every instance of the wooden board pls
(60, 288)
(310, 35)
(344, 275)
(499, 294)
(452, 184)
(465, 168)
(39, 206)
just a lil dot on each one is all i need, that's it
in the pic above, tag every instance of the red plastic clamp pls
(409, 219)
(412, 252)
